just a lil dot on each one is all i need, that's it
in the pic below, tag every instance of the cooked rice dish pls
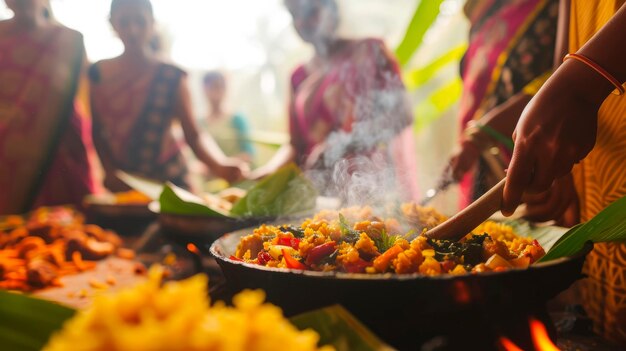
(355, 240)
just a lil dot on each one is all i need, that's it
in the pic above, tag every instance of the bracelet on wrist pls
(501, 138)
(619, 88)
(479, 139)
(487, 136)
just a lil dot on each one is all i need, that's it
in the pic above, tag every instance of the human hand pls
(114, 184)
(462, 160)
(232, 169)
(556, 130)
(316, 157)
(559, 203)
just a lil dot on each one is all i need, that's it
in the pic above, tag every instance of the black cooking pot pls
(408, 310)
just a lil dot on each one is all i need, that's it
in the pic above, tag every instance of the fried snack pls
(36, 251)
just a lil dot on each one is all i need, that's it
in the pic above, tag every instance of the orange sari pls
(44, 142)
(600, 180)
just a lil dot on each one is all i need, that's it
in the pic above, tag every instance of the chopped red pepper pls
(287, 241)
(447, 265)
(235, 258)
(263, 257)
(319, 252)
(292, 262)
(356, 267)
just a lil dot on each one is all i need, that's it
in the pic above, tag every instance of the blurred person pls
(511, 44)
(230, 130)
(348, 111)
(135, 98)
(574, 123)
(45, 138)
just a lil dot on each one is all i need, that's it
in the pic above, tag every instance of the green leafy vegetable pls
(339, 328)
(607, 226)
(27, 323)
(283, 193)
(347, 233)
(385, 241)
(297, 232)
(471, 250)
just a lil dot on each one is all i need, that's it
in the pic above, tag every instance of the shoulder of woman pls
(94, 72)
(371, 44)
(298, 75)
(69, 33)
(169, 66)
(376, 49)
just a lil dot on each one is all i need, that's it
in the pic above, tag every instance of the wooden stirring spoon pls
(470, 217)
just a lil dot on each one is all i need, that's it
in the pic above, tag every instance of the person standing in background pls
(348, 110)
(511, 43)
(135, 98)
(45, 141)
(230, 130)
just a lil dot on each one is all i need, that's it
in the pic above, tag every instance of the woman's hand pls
(559, 203)
(114, 184)
(556, 130)
(231, 169)
(316, 157)
(462, 160)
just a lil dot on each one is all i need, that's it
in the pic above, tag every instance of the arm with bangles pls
(498, 124)
(206, 150)
(559, 203)
(558, 127)
(501, 121)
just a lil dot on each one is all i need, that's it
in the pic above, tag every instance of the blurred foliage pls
(424, 16)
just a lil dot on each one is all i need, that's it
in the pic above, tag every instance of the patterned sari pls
(353, 104)
(133, 119)
(511, 43)
(601, 179)
(45, 144)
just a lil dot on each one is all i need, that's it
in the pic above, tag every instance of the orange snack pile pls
(37, 250)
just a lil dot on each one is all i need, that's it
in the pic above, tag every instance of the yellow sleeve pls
(533, 87)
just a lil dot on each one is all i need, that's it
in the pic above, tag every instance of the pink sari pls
(511, 43)
(357, 102)
(44, 143)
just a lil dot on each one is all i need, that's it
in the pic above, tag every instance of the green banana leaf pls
(339, 328)
(283, 193)
(547, 236)
(176, 200)
(416, 78)
(433, 107)
(607, 226)
(27, 323)
(425, 14)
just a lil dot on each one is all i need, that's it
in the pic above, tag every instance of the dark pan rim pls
(386, 276)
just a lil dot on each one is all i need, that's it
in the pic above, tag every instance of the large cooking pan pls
(407, 310)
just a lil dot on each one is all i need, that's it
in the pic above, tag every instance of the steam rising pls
(362, 166)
